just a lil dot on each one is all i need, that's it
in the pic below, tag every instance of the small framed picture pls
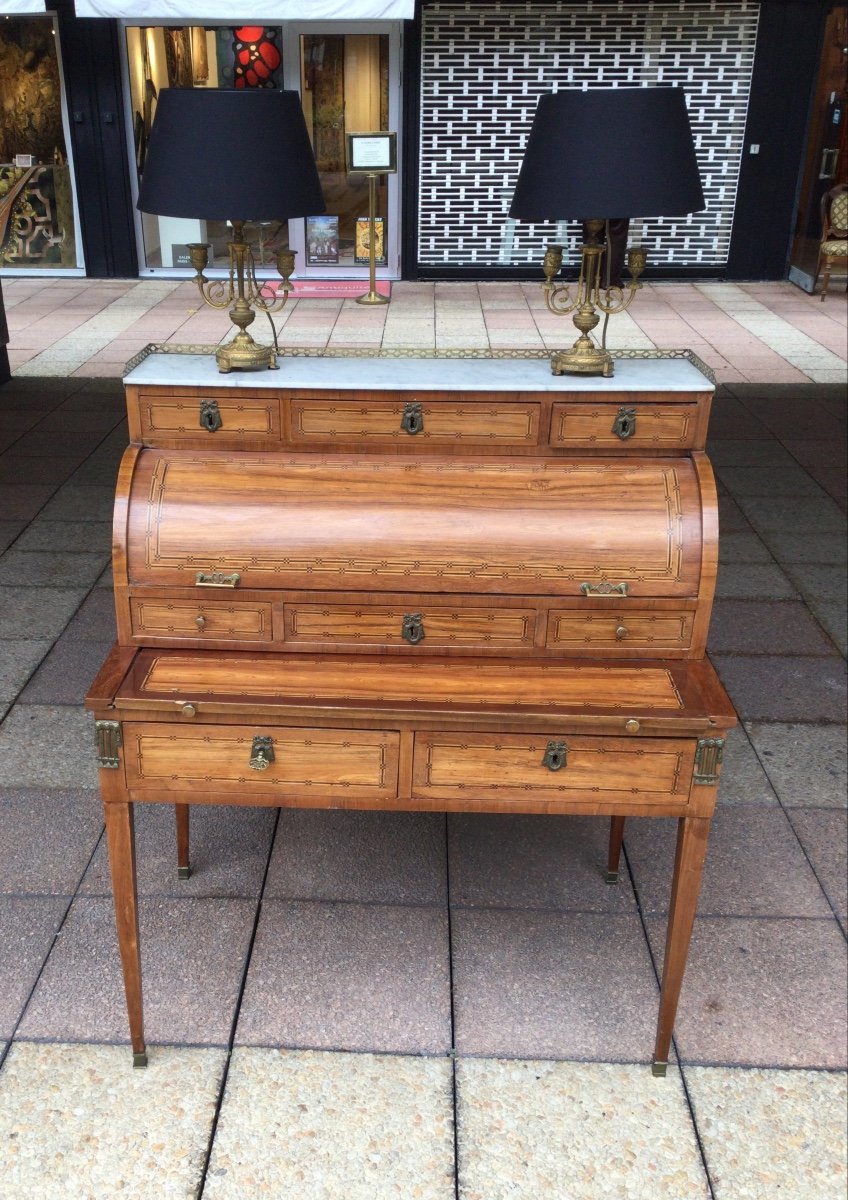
(24, 160)
(371, 153)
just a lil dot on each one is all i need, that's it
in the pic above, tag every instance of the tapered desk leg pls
(614, 854)
(692, 835)
(181, 812)
(120, 834)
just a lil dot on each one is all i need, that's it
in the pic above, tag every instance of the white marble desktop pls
(420, 374)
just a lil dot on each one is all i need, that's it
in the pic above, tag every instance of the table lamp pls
(232, 156)
(597, 156)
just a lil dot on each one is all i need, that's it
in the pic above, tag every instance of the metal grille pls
(484, 66)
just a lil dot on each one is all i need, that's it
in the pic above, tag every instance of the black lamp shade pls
(230, 156)
(609, 152)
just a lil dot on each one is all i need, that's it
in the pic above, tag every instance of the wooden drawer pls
(335, 763)
(209, 620)
(426, 626)
(582, 426)
(595, 771)
(220, 419)
(638, 629)
(414, 422)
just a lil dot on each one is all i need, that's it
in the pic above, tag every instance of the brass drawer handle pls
(412, 420)
(624, 425)
(604, 588)
(200, 621)
(261, 752)
(555, 757)
(621, 632)
(210, 416)
(412, 629)
(217, 579)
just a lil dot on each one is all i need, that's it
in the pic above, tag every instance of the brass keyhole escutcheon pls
(210, 416)
(412, 629)
(261, 752)
(412, 420)
(555, 756)
(624, 425)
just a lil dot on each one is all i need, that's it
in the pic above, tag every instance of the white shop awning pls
(21, 7)
(200, 12)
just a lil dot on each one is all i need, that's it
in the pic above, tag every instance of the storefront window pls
(37, 204)
(246, 56)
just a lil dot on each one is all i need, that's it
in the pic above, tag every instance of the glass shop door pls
(348, 77)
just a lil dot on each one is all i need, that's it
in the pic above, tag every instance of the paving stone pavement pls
(460, 1009)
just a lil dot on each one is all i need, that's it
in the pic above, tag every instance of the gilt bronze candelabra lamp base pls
(244, 292)
(590, 298)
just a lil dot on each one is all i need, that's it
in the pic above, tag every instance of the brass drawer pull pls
(413, 418)
(604, 588)
(555, 756)
(412, 629)
(261, 752)
(621, 632)
(200, 621)
(624, 425)
(217, 579)
(210, 416)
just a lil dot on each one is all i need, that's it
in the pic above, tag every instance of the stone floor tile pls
(765, 688)
(793, 514)
(731, 518)
(509, 861)
(75, 502)
(805, 763)
(78, 1122)
(32, 613)
(736, 452)
(771, 1133)
(10, 531)
(552, 985)
(66, 673)
(766, 481)
(50, 569)
(87, 536)
(743, 780)
(94, 621)
(348, 977)
(15, 469)
(192, 955)
(831, 616)
(816, 580)
(812, 452)
(742, 548)
(753, 581)
(755, 866)
(44, 442)
(766, 992)
(369, 857)
(807, 547)
(21, 501)
(18, 660)
(229, 848)
(47, 837)
(528, 1130)
(823, 834)
(309, 1125)
(28, 925)
(765, 627)
(48, 746)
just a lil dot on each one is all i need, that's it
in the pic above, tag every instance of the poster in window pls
(322, 240)
(361, 254)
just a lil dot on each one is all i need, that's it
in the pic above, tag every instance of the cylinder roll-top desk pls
(462, 585)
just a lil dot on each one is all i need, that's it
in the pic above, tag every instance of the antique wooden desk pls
(455, 585)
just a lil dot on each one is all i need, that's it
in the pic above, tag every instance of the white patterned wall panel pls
(484, 66)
